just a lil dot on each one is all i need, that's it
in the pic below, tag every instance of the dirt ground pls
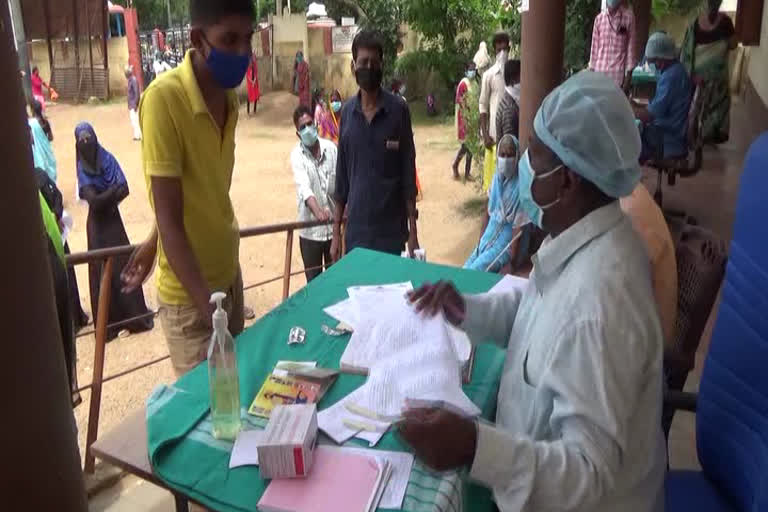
(263, 192)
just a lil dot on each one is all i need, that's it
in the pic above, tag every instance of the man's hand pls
(488, 141)
(413, 243)
(336, 246)
(139, 266)
(441, 439)
(441, 296)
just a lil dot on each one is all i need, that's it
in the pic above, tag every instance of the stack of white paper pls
(411, 358)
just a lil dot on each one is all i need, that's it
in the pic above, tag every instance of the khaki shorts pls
(187, 334)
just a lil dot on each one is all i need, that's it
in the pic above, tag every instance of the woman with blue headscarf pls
(502, 221)
(103, 185)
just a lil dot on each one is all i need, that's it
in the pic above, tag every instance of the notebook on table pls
(338, 482)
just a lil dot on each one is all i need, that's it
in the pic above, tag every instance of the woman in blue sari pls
(103, 185)
(41, 141)
(502, 221)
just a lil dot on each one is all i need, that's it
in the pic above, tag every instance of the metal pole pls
(104, 49)
(37, 436)
(542, 58)
(17, 23)
(288, 258)
(90, 46)
(76, 37)
(47, 14)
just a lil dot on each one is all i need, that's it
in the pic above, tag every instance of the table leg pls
(182, 505)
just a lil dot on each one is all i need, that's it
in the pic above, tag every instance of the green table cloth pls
(185, 455)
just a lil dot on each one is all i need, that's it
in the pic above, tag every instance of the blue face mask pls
(308, 136)
(471, 73)
(336, 106)
(228, 69)
(507, 166)
(525, 190)
(299, 58)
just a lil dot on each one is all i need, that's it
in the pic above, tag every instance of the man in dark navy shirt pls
(375, 171)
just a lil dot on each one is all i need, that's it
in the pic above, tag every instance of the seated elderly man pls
(665, 120)
(496, 243)
(579, 406)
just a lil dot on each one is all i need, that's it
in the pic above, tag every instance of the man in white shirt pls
(491, 92)
(160, 66)
(578, 424)
(313, 161)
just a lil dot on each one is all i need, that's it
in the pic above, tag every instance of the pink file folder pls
(337, 482)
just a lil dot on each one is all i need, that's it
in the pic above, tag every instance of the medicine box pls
(289, 441)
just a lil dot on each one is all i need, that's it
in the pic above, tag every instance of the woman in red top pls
(461, 125)
(303, 81)
(252, 83)
(37, 87)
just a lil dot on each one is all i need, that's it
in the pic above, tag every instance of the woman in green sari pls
(705, 55)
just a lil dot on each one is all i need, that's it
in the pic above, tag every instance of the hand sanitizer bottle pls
(222, 376)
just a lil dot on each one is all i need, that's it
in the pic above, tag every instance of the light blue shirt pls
(578, 424)
(669, 108)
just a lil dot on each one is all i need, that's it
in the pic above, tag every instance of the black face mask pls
(88, 151)
(369, 79)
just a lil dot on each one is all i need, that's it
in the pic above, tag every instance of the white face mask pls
(502, 57)
(508, 166)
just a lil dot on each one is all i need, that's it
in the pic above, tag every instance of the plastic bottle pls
(223, 378)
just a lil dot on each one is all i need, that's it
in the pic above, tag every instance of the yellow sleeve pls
(161, 144)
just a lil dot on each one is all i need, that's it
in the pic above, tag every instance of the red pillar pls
(37, 432)
(542, 58)
(134, 44)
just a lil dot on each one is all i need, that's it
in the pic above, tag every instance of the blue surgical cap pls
(589, 125)
(660, 46)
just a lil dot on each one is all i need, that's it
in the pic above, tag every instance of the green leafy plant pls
(384, 16)
(662, 8)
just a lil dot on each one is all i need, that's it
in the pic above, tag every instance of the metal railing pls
(101, 323)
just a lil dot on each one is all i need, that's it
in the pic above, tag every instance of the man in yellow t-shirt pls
(188, 118)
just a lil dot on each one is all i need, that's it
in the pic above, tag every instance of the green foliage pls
(579, 18)
(442, 22)
(662, 8)
(154, 13)
(384, 16)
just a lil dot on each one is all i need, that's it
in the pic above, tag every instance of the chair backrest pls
(732, 415)
(701, 259)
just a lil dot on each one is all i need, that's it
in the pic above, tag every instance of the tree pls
(443, 22)
(451, 31)
(384, 16)
(154, 13)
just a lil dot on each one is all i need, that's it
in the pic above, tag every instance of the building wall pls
(64, 56)
(117, 53)
(757, 69)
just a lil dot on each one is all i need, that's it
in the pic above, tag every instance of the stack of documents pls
(340, 481)
(410, 358)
